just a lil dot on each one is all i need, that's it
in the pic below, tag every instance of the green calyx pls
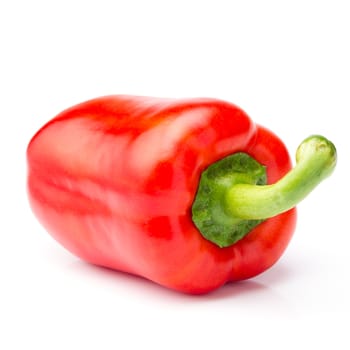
(233, 197)
(209, 210)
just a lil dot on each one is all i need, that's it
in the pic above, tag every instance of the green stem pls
(316, 159)
(233, 198)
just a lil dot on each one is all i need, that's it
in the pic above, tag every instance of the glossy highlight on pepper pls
(115, 181)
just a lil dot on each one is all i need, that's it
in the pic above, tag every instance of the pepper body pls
(113, 180)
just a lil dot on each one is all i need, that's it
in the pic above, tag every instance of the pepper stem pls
(315, 160)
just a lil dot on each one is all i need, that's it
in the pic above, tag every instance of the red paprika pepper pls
(190, 193)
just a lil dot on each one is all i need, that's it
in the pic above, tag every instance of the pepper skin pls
(113, 180)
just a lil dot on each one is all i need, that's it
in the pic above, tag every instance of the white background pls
(285, 62)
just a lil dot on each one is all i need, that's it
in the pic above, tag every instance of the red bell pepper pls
(190, 194)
